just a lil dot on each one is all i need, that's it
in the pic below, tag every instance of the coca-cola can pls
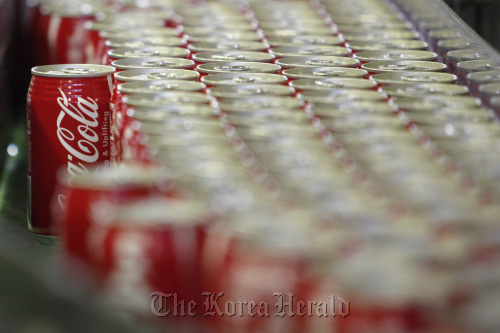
(146, 251)
(69, 120)
(61, 33)
(115, 185)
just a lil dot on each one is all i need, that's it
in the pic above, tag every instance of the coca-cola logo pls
(81, 147)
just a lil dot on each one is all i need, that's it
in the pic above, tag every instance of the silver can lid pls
(247, 90)
(414, 77)
(403, 65)
(237, 67)
(310, 50)
(72, 70)
(154, 87)
(159, 51)
(378, 55)
(333, 83)
(150, 74)
(227, 45)
(324, 72)
(243, 78)
(152, 62)
(317, 61)
(233, 56)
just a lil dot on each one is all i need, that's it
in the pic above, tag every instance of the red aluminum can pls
(113, 185)
(151, 247)
(61, 34)
(68, 112)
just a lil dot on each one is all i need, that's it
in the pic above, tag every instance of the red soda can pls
(68, 114)
(63, 33)
(114, 185)
(151, 248)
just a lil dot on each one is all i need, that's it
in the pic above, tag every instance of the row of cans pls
(283, 148)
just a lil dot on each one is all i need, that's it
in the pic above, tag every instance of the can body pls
(68, 116)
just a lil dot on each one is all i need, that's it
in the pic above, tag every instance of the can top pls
(413, 90)
(237, 67)
(243, 78)
(227, 45)
(305, 40)
(495, 101)
(471, 66)
(387, 44)
(323, 72)
(456, 44)
(153, 87)
(153, 62)
(144, 42)
(260, 103)
(433, 102)
(335, 96)
(414, 77)
(310, 50)
(156, 74)
(224, 36)
(484, 77)
(333, 83)
(468, 54)
(380, 34)
(490, 88)
(149, 51)
(72, 70)
(403, 65)
(378, 55)
(248, 90)
(233, 56)
(317, 61)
